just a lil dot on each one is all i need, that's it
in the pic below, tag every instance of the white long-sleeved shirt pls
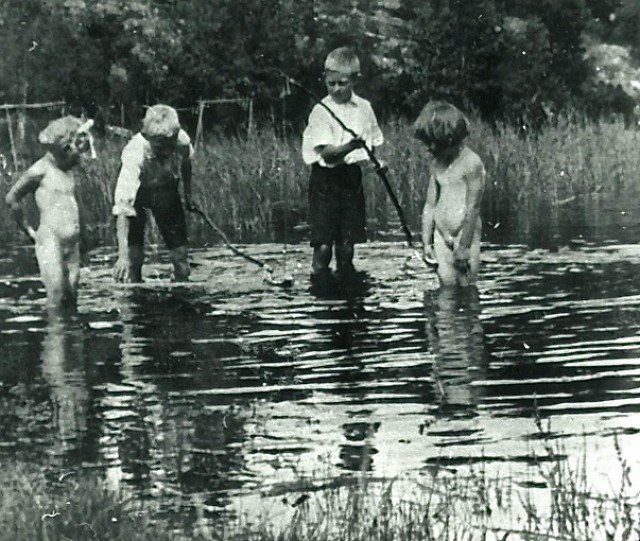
(135, 155)
(322, 129)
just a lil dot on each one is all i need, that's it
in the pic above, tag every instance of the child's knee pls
(322, 253)
(180, 259)
(447, 274)
(321, 257)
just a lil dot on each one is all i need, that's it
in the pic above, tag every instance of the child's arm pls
(121, 267)
(428, 220)
(333, 154)
(474, 191)
(186, 150)
(84, 228)
(186, 171)
(27, 183)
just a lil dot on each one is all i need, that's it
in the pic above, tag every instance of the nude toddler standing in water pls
(451, 224)
(57, 240)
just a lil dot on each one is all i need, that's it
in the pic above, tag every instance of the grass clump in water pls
(34, 508)
(251, 185)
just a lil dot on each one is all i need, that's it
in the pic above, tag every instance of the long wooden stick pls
(226, 241)
(285, 281)
(378, 167)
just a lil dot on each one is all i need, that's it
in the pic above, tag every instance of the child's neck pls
(59, 164)
(342, 102)
(450, 155)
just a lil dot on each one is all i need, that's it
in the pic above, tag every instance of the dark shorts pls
(166, 207)
(336, 205)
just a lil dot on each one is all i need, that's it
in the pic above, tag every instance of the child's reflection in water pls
(457, 340)
(64, 371)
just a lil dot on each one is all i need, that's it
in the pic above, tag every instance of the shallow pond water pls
(223, 393)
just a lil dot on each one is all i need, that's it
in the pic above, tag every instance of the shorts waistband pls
(339, 167)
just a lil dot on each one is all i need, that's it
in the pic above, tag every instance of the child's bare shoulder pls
(472, 162)
(35, 173)
(40, 167)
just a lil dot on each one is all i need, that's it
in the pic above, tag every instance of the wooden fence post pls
(199, 126)
(12, 141)
(250, 121)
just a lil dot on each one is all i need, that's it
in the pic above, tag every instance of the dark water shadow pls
(334, 286)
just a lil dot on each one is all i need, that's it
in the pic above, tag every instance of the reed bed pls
(255, 187)
(439, 505)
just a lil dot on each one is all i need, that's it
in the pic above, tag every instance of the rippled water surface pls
(230, 389)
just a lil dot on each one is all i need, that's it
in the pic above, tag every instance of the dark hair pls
(441, 124)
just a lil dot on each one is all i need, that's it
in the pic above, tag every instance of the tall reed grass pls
(255, 188)
(442, 505)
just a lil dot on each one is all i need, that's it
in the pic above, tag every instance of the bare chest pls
(56, 183)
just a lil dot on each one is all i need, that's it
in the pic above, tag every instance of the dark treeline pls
(505, 59)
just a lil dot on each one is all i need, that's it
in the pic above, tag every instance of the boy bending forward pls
(57, 239)
(336, 197)
(154, 162)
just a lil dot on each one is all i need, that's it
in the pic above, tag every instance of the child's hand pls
(30, 231)
(382, 168)
(461, 259)
(357, 142)
(121, 270)
(428, 256)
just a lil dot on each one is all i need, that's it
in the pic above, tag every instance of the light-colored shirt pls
(135, 155)
(322, 129)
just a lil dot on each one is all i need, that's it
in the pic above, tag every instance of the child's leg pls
(72, 274)
(471, 276)
(321, 259)
(344, 256)
(447, 272)
(180, 259)
(171, 221)
(52, 272)
(136, 245)
(351, 218)
(136, 259)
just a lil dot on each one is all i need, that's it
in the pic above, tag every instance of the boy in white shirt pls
(336, 197)
(154, 162)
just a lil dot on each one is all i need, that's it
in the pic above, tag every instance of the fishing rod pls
(380, 170)
(286, 281)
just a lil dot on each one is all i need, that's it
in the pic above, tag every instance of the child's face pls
(445, 153)
(68, 154)
(339, 86)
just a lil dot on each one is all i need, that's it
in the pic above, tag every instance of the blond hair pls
(343, 60)
(441, 124)
(61, 131)
(160, 121)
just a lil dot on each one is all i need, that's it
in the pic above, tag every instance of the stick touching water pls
(286, 281)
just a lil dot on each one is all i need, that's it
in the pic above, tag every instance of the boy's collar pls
(350, 101)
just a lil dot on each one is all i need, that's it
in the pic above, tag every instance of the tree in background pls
(455, 53)
(503, 58)
(525, 63)
(627, 25)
